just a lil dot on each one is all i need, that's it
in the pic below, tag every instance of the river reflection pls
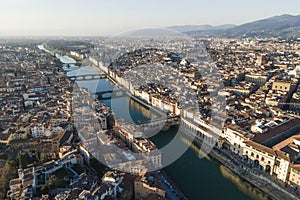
(204, 178)
(243, 186)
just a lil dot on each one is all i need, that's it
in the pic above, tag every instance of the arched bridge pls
(114, 93)
(168, 120)
(88, 77)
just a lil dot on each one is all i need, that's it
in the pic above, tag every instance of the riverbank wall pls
(235, 166)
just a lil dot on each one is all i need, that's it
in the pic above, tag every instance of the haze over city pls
(93, 17)
(138, 100)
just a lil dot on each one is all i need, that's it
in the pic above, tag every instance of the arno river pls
(196, 178)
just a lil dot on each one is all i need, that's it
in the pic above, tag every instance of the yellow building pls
(261, 155)
(284, 86)
(294, 178)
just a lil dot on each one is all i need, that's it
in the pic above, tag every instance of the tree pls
(8, 172)
(24, 160)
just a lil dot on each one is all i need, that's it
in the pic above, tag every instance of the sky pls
(106, 17)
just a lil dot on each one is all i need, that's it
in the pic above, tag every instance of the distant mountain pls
(224, 26)
(273, 26)
(187, 28)
(283, 25)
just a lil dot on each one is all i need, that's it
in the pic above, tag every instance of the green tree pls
(8, 172)
(24, 160)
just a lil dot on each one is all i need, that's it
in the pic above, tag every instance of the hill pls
(283, 25)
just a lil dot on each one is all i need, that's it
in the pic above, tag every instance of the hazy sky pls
(102, 17)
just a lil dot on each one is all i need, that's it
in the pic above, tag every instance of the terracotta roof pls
(15, 181)
(283, 155)
(296, 167)
(260, 147)
(272, 132)
(286, 142)
(284, 150)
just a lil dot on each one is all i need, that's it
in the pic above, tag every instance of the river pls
(196, 178)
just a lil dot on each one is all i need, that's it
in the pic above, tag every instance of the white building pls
(235, 138)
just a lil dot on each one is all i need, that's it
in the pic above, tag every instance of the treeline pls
(7, 172)
(65, 46)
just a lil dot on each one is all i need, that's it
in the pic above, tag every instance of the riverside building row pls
(260, 90)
